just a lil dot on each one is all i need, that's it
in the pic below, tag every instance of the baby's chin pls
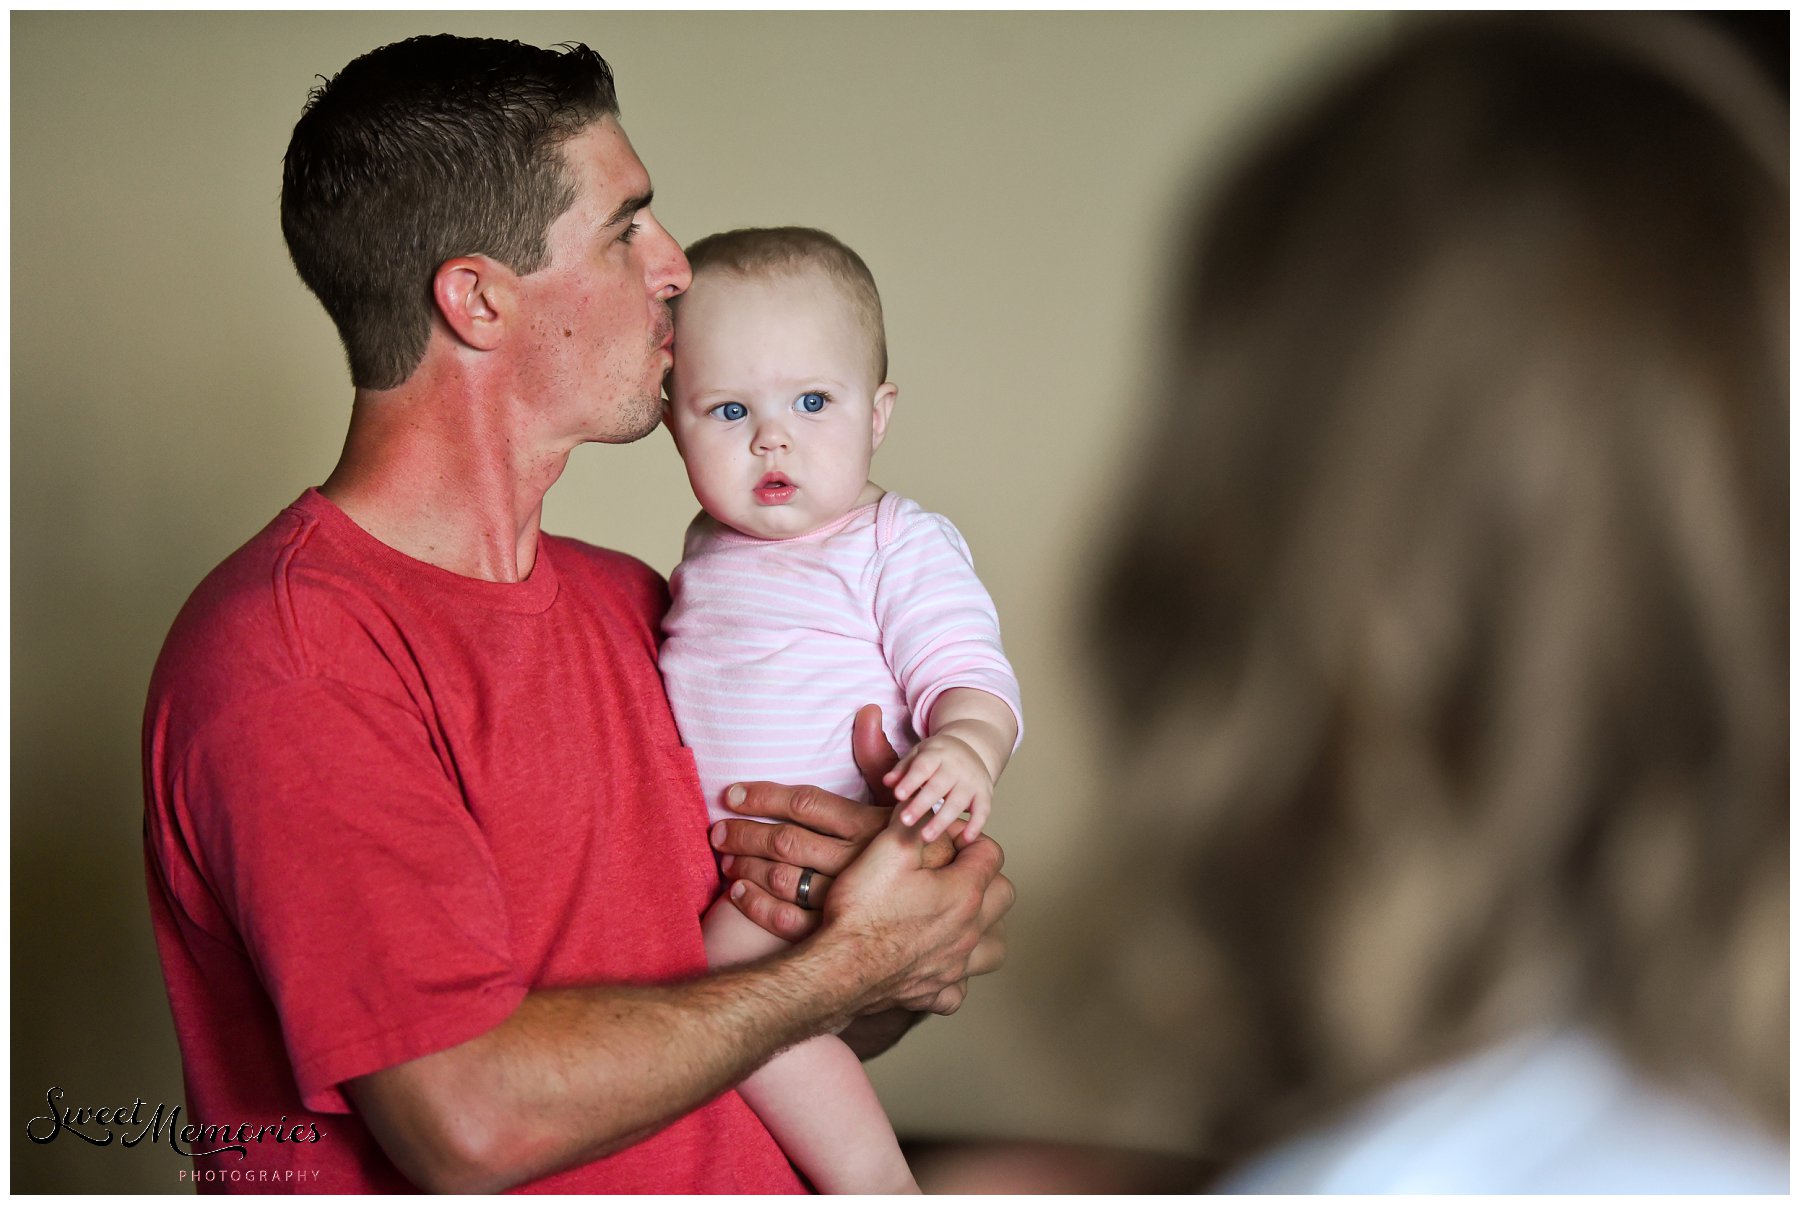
(770, 527)
(764, 531)
(735, 522)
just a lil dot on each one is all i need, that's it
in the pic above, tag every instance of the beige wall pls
(1009, 178)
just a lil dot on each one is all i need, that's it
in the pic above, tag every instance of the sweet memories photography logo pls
(129, 1125)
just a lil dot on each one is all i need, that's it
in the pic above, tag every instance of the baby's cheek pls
(718, 475)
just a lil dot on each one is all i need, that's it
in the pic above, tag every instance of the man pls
(427, 858)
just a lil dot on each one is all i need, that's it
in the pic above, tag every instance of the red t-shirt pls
(383, 802)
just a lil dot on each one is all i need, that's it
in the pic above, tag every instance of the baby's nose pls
(770, 437)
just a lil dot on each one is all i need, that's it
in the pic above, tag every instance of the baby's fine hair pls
(765, 251)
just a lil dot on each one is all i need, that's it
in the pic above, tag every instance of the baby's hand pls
(947, 768)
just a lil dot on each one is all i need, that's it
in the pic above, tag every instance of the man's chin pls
(637, 419)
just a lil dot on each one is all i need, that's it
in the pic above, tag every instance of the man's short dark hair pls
(419, 152)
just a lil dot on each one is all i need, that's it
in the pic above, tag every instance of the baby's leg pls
(815, 1097)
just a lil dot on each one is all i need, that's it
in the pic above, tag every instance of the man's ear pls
(474, 295)
(884, 409)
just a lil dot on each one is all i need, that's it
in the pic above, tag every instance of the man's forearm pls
(576, 1074)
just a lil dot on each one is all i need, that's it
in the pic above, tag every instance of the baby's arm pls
(941, 638)
(971, 740)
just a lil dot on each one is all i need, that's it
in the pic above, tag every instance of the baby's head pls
(779, 395)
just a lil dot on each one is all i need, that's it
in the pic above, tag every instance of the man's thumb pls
(873, 751)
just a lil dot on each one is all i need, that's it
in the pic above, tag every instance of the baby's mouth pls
(774, 489)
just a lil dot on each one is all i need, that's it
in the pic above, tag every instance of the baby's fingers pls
(947, 815)
(917, 782)
(973, 797)
(978, 816)
(956, 797)
(900, 768)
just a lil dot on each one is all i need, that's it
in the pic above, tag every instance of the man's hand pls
(820, 831)
(827, 833)
(889, 899)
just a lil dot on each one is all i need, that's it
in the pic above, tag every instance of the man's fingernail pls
(725, 864)
(718, 833)
(734, 798)
(737, 890)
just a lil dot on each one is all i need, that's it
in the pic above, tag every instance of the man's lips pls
(774, 489)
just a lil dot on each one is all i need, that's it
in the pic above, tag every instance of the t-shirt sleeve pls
(367, 900)
(938, 626)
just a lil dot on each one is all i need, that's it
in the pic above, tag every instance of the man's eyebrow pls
(629, 208)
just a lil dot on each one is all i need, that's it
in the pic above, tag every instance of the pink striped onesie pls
(772, 645)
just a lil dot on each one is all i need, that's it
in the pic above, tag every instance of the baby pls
(805, 590)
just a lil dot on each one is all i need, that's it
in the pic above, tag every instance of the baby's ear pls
(884, 409)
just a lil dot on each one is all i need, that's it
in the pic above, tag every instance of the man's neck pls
(446, 473)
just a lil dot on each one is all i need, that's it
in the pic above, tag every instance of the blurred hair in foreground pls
(1447, 628)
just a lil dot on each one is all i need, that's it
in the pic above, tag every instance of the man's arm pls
(492, 1112)
(576, 1074)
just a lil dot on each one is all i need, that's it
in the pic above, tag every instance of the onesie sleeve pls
(938, 626)
(319, 820)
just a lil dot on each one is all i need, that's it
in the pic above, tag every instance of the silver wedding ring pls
(803, 893)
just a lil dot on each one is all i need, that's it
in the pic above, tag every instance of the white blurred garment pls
(1546, 1113)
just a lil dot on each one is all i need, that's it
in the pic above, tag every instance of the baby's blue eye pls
(729, 411)
(810, 403)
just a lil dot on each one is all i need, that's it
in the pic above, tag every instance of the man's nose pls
(671, 273)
